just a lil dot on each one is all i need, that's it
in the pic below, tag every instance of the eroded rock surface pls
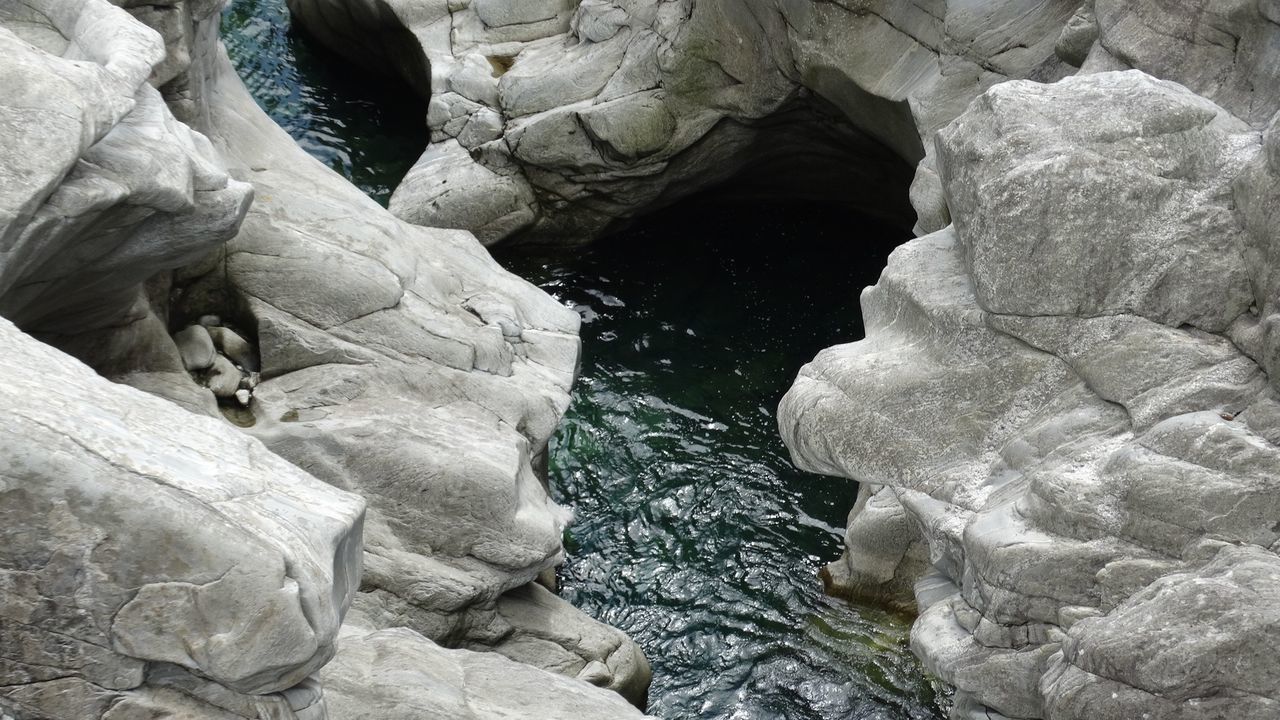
(152, 560)
(403, 364)
(1051, 406)
(397, 674)
(101, 189)
(400, 365)
(549, 130)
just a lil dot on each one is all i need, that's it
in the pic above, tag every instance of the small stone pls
(243, 397)
(223, 379)
(209, 320)
(196, 348)
(250, 381)
(235, 347)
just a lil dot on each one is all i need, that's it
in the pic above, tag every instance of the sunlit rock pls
(1050, 391)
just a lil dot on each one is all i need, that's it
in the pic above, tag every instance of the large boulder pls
(153, 560)
(1051, 396)
(397, 674)
(101, 189)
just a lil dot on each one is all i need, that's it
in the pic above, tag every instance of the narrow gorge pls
(384, 359)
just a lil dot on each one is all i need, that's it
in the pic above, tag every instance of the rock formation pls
(551, 120)
(1064, 412)
(1064, 416)
(156, 561)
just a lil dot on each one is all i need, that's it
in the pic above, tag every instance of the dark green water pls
(694, 532)
(368, 129)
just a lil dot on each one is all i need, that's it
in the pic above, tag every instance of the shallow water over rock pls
(694, 532)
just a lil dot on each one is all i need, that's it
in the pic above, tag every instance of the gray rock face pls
(1050, 405)
(548, 131)
(1228, 52)
(196, 348)
(155, 561)
(397, 674)
(100, 190)
(174, 566)
(404, 364)
(1175, 256)
(1065, 409)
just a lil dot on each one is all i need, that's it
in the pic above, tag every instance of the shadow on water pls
(694, 533)
(369, 128)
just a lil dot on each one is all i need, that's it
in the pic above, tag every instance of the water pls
(694, 532)
(369, 129)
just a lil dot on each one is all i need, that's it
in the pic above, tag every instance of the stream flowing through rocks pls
(694, 533)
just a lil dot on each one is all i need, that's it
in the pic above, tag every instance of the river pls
(694, 533)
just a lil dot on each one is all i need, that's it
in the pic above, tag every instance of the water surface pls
(369, 129)
(694, 532)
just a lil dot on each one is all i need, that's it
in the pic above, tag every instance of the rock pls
(1049, 397)
(1078, 37)
(463, 194)
(194, 552)
(1175, 253)
(398, 674)
(601, 110)
(1174, 669)
(223, 379)
(196, 348)
(101, 189)
(1228, 53)
(236, 348)
(401, 362)
(404, 364)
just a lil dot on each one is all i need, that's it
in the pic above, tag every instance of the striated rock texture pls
(157, 563)
(1065, 411)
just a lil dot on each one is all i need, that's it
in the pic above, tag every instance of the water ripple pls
(694, 532)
